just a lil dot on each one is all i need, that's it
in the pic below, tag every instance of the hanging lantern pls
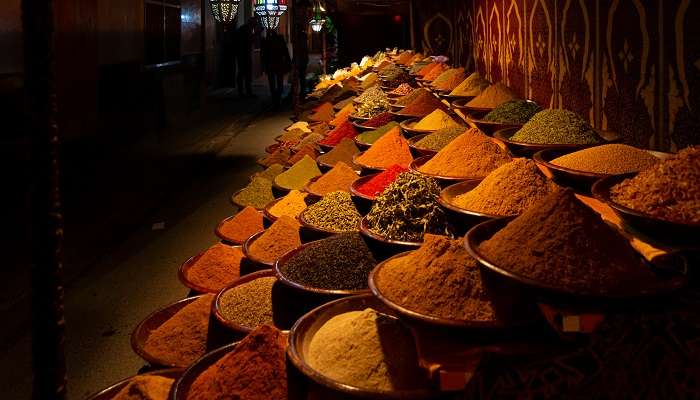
(318, 19)
(270, 12)
(224, 11)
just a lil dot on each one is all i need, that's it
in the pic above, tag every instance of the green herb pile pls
(408, 209)
(513, 112)
(556, 127)
(440, 138)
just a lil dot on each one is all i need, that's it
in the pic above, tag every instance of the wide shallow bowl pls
(442, 180)
(453, 97)
(420, 151)
(529, 149)
(313, 232)
(571, 177)
(418, 316)
(314, 195)
(357, 118)
(469, 111)
(366, 169)
(303, 331)
(184, 270)
(279, 191)
(400, 117)
(389, 246)
(110, 392)
(279, 265)
(490, 127)
(361, 200)
(260, 264)
(143, 330)
(667, 232)
(360, 127)
(239, 205)
(363, 146)
(182, 386)
(226, 239)
(407, 127)
(467, 218)
(669, 280)
(216, 307)
(325, 148)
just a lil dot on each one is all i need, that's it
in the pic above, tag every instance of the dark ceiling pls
(370, 6)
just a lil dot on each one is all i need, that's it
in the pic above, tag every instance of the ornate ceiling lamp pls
(270, 12)
(224, 11)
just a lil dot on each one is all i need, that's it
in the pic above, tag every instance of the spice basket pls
(310, 232)
(361, 128)
(362, 201)
(326, 293)
(418, 316)
(467, 218)
(279, 191)
(143, 330)
(239, 205)
(469, 111)
(221, 235)
(570, 177)
(485, 230)
(529, 149)
(356, 118)
(419, 151)
(669, 233)
(384, 247)
(452, 97)
(314, 196)
(361, 145)
(182, 274)
(490, 127)
(259, 264)
(110, 392)
(216, 307)
(442, 180)
(400, 117)
(306, 327)
(408, 129)
(181, 387)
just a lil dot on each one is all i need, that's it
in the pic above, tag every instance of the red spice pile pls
(255, 369)
(423, 105)
(377, 184)
(346, 130)
(379, 120)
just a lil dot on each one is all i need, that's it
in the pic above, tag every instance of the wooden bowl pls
(184, 270)
(416, 315)
(360, 127)
(420, 151)
(684, 235)
(216, 307)
(325, 148)
(361, 145)
(306, 327)
(313, 232)
(366, 169)
(485, 230)
(325, 167)
(413, 115)
(143, 330)
(442, 180)
(569, 177)
(452, 97)
(333, 293)
(467, 218)
(361, 200)
(489, 127)
(461, 105)
(314, 195)
(261, 264)
(181, 388)
(279, 191)
(110, 392)
(225, 239)
(529, 149)
(408, 129)
(267, 213)
(390, 246)
(356, 118)
(242, 206)
(400, 117)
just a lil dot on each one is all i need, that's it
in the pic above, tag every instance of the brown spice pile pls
(182, 339)
(279, 156)
(439, 279)
(340, 177)
(245, 224)
(290, 205)
(216, 268)
(407, 99)
(279, 238)
(255, 370)
(471, 154)
(146, 387)
(561, 242)
(611, 159)
(422, 106)
(343, 151)
(509, 190)
(493, 96)
(669, 190)
(307, 150)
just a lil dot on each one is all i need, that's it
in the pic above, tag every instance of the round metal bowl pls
(306, 327)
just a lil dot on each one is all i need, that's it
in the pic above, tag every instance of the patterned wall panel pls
(630, 66)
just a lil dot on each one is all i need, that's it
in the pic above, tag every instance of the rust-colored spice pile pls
(182, 339)
(216, 268)
(254, 370)
(388, 150)
(669, 190)
(245, 224)
(146, 387)
(279, 238)
(439, 279)
(509, 190)
(493, 96)
(422, 106)
(561, 242)
(290, 205)
(472, 154)
(340, 177)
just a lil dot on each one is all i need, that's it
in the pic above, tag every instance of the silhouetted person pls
(302, 60)
(275, 63)
(244, 57)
